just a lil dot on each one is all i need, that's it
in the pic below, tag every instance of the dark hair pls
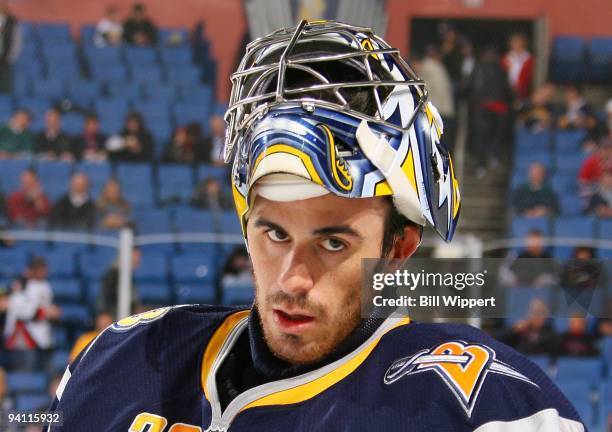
(395, 223)
(38, 262)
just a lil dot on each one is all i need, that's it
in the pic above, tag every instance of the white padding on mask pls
(382, 155)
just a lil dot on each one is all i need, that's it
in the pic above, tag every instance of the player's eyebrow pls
(261, 222)
(337, 229)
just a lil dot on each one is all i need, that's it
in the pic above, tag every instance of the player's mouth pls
(293, 322)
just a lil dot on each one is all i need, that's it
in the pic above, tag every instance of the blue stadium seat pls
(189, 220)
(79, 90)
(153, 267)
(176, 55)
(221, 173)
(11, 170)
(580, 394)
(108, 72)
(98, 174)
(59, 53)
(140, 55)
(568, 141)
(574, 227)
(111, 123)
(568, 60)
(30, 382)
(568, 164)
(607, 353)
(102, 55)
(12, 262)
(197, 94)
(22, 85)
(191, 294)
(62, 264)
(175, 182)
(522, 225)
(67, 290)
(54, 175)
(228, 222)
(119, 107)
(154, 293)
(563, 185)
(52, 88)
(146, 74)
(238, 296)
(59, 360)
(93, 264)
(153, 221)
(523, 161)
(72, 123)
(183, 74)
(36, 106)
(56, 32)
(162, 133)
(191, 112)
(75, 314)
(586, 370)
(124, 90)
(160, 92)
(136, 183)
(605, 229)
(32, 402)
(532, 141)
(193, 268)
(600, 56)
(572, 205)
(68, 71)
(87, 34)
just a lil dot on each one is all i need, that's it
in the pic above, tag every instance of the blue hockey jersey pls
(155, 372)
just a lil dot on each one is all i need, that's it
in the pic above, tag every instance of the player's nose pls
(296, 275)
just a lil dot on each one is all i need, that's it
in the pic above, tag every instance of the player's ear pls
(405, 246)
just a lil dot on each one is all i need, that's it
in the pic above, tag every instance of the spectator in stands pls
(215, 142)
(16, 140)
(533, 266)
(451, 53)
(103, 320)
(537, 115)
(113, 210)
(108, 298)
(595, 165)
(237, 270)
(577, 113)
(29, 206)
(109, 30)
(583, 271)
(7, 404)
(186, 146)
(535, 198)
(209, 195)
(75, 210)
(490, 97)
(139, 29)
(91, 145)
(52, 143)
(577, 341)
(135, 144)
(535, 334)
(28, 321)
(600, 203)
(432, 70)
(10, 45)
(518, 64)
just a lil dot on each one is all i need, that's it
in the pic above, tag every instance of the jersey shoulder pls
(485, 379)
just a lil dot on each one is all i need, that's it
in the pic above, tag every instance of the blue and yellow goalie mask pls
(336, 106)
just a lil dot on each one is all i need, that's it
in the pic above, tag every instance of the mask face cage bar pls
(249, 103)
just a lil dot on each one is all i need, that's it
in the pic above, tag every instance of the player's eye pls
(333, 245)
(276, 235)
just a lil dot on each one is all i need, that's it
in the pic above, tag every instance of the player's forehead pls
(324, 210)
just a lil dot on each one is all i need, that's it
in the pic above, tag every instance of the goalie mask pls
(331, 108)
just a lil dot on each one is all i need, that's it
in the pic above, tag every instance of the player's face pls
(307, 261)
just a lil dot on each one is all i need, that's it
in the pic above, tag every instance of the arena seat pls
(188, 294)
(193, 268)
(522, 225)
(154, 293)
(22, 382)
(153, 267)
(587, 371)
(68, 290)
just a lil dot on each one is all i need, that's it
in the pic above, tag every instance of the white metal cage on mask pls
(336, 105)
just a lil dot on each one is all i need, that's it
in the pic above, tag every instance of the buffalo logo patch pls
(463, 367)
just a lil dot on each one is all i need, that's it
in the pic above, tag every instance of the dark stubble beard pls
(335, 328)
